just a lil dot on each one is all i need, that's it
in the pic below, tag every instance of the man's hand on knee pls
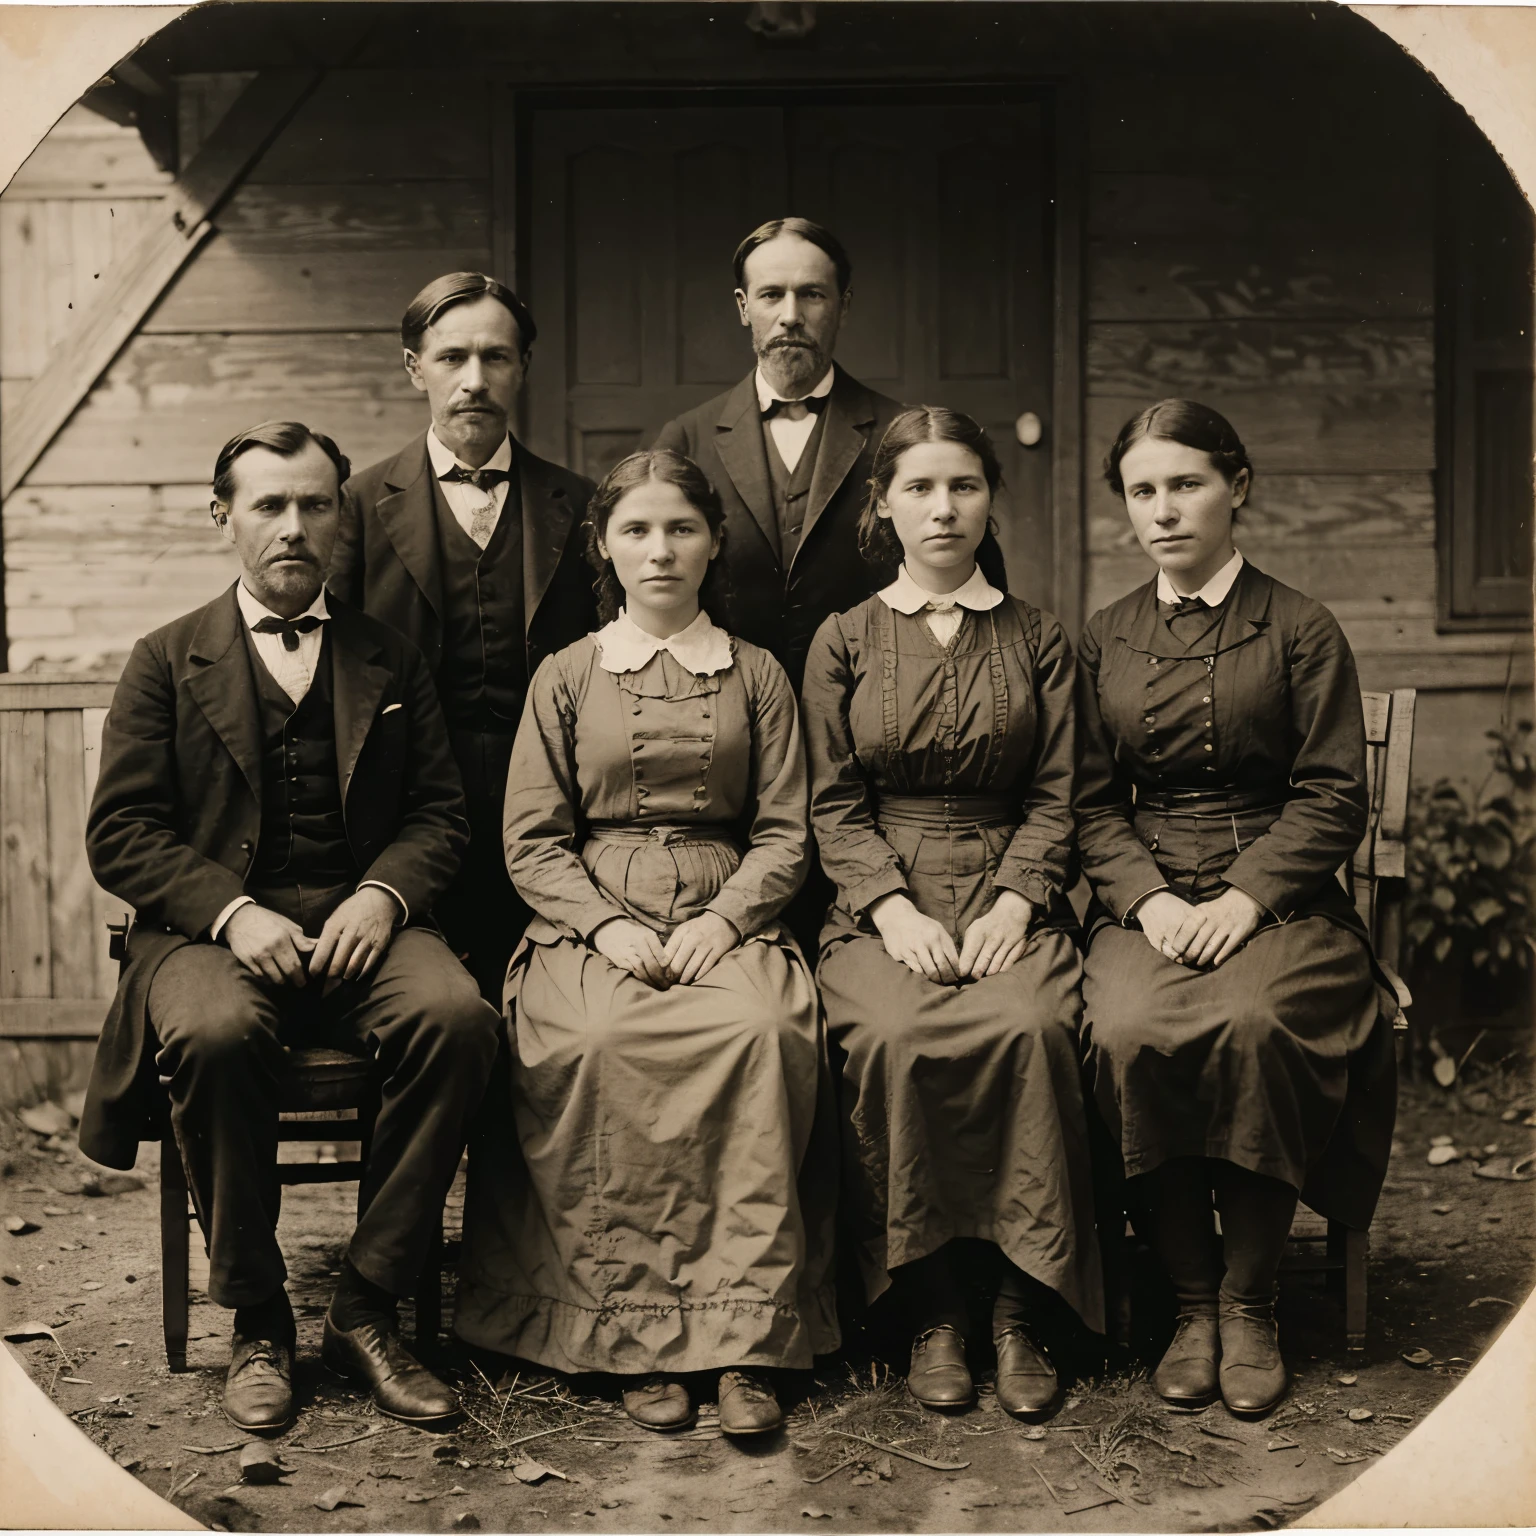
(356, 937)
(267, 944)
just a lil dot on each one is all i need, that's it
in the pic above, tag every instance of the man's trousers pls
(222, 1034)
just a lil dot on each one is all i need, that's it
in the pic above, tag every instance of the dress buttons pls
(1207, 725)
(1209, 747)
(1151, 661)
(706, 714)
(1206, 700)
(1151, 719)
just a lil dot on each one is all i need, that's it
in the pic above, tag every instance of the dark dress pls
(945, 772)
(662, 1196)
(1234, 756)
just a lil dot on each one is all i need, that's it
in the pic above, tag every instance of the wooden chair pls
(1376, 878)
(326, 1096)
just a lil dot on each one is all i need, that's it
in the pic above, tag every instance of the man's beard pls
(798, 366)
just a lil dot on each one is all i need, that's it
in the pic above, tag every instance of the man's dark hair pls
(284, 438)
(804, 229)
(442, 293)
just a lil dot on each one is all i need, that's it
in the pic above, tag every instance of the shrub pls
(1471, 862)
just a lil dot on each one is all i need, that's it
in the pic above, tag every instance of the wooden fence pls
(56, 976)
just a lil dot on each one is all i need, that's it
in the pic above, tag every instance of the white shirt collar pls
(767, 394)
(253, 610)
(703, 648)
(1213, 593)
(444, 458)
(906, 596)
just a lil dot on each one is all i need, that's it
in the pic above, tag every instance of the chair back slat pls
(1380, 863)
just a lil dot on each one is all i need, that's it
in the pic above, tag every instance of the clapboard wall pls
(380, 182)
(1258, 230)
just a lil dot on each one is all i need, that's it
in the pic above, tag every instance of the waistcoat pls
(792, 487)
(484, 671)
(303, 852)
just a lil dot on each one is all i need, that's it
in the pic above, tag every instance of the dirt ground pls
(1452, 1255)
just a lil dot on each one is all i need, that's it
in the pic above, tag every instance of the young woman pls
(657, 1208)
(1231, 1004)
(938, 721)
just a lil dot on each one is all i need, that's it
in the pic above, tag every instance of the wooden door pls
(633, 216)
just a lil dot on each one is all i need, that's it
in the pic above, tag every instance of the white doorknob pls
(1028, 429)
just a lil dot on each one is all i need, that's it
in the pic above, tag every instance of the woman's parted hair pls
(920, 424)
(1181, 421)
(669, 468)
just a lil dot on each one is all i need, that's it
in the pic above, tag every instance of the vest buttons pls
(1209, 747)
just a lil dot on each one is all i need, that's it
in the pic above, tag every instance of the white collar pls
(702, 648)
(444, 458)
(253, 610)
(906, 596)
(767, 394)
(1213, 594)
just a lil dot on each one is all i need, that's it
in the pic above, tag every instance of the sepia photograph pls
(767, 766)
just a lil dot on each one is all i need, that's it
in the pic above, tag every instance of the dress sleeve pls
(1036, 861)
(1117, 863)
(778, 848)
(856, 858)
(542, 812)
(1322, 826)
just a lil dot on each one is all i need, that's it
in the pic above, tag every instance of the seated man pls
(278, 802)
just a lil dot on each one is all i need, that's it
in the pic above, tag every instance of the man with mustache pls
(472, 546)
(790, 448)
(278, 804)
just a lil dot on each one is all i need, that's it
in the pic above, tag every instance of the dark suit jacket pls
(776, 608)
(387, 560)
(175, 820)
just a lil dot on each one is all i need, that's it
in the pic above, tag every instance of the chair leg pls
(173, 1253)
(1357, 1247)
(429, 1291)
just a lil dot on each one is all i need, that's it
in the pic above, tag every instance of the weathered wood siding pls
(1283, 273)
(380, 182)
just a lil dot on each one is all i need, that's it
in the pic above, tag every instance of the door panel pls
(634, 213)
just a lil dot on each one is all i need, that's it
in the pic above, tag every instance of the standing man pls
(278, 804)
(473, 547)
(790, 448)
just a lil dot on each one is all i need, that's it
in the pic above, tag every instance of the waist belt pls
(1212, 802)
(947, 811)
(663, 833)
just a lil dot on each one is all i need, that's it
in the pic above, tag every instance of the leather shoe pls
(939, 1377)
(1186, 1375)
(660, 1402)
(1252, 1372)
(1026, 1379)
(258, 1388)
(401, 1385)
(747, 1404)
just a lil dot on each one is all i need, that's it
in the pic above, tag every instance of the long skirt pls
(661, 1195)
(1273, 1061)
(963, 1114)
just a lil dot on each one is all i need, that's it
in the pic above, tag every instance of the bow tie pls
(815, 404)
(481, 479)
(1184, 607)
(289, 629)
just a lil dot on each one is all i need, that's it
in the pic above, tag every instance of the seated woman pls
(657, 1207)
(938, 720)
(1230, 999)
